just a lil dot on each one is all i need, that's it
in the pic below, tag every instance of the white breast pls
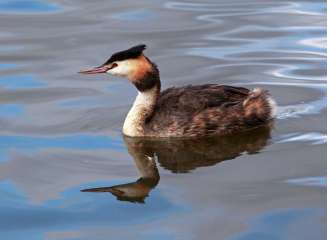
(142, 107)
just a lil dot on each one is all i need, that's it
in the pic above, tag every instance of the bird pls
(188, 111)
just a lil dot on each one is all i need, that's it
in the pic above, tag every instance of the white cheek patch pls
(123, 69)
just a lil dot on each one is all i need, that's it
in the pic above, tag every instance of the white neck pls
(141, 109)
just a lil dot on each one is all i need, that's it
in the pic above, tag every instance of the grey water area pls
(60, 132)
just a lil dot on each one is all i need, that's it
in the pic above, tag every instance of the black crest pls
(132, 52)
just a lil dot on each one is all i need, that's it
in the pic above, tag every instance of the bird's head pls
(130, 63)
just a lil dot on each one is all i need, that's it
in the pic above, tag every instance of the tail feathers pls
(259, 106)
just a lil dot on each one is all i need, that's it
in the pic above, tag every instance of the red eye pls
(114, 65)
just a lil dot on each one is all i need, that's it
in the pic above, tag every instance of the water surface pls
(61, 132)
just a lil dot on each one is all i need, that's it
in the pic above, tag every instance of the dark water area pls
(60, 132)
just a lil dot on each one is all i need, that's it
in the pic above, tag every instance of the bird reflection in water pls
(181, 156)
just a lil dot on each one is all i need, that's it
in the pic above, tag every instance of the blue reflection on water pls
(27, 6)
(277, 225)
(8, 112)
(10, 196)
(7, 65)
(3, 156)
(75, 208)
(81, 142)
(11, 110)
(20, 81)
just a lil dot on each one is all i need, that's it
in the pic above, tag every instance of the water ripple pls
(320, 42)
(314, 137)
(320, 181)
(290, 72)
(313, 107)
(222, 7)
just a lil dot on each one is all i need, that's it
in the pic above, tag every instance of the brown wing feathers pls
(208, 109)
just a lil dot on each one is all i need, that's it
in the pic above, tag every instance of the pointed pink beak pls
(101, 69)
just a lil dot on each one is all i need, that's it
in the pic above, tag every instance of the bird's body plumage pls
(209, 109)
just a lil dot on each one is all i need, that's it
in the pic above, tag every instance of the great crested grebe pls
(189, 111)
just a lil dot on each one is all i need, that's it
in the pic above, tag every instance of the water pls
(61, 132)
